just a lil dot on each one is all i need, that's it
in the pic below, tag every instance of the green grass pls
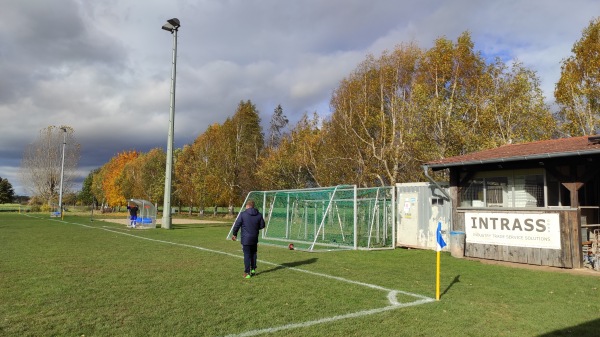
(13, 208)
(64, 279)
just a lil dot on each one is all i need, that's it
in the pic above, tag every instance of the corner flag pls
(440, 244)
(440, 240)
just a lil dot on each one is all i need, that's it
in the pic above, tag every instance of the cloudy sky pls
(103, 67)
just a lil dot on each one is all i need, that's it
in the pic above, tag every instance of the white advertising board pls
(535, 230)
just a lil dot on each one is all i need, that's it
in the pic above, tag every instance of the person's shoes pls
(247, 275)
(252, 272)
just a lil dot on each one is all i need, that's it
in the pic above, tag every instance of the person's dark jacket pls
(251, 222)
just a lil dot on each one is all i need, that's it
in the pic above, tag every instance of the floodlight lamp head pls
(171, 25)
(175, 22)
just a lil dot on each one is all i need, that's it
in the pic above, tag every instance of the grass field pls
(79, 277)
(12, 207)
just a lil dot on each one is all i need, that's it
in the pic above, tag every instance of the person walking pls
(250, 221)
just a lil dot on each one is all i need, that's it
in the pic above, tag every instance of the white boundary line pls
(391, 293)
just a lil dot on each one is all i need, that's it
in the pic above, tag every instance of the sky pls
(103, 67)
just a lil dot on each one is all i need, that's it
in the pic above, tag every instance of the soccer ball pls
(291, 246)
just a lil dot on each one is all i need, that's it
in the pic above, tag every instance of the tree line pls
(394, 112)
(7, 193)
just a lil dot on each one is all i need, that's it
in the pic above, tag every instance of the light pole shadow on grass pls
(456, 280)
(290, 265)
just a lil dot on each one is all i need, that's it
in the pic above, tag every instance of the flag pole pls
(437, 278)
(440, 244)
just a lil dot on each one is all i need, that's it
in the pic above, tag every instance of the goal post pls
(325, 218)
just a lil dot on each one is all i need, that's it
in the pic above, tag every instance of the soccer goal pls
(327, 218)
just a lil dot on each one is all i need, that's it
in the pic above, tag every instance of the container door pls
(408, 223)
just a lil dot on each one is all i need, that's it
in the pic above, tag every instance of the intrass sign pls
(535, 230)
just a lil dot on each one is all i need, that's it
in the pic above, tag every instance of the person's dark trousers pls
(250, 252)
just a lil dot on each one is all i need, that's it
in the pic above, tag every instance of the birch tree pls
(207, 182)
(578, 89)
(517, 112)
(291, 164)
(244, 142)
(410, 106)
(41, 165)
(278, 123)
(373, 127)
(185, 173)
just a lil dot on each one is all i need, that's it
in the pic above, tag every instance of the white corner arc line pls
(329, 319)
(391, 293)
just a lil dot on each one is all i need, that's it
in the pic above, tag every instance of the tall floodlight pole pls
(172, 26)
(62, 171)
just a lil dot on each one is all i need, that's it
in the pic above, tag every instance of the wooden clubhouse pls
(534, 203)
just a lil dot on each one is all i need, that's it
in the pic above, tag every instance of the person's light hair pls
(250, 203)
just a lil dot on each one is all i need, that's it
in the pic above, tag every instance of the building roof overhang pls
(540, 150)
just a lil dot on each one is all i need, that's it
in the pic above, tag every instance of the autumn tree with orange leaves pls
(110, 174)
(143, 177)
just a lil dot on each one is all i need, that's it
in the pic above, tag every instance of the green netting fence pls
(327, 218)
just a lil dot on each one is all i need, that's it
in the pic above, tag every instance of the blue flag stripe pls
(440, 240)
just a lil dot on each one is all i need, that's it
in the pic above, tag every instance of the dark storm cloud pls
(44, 40)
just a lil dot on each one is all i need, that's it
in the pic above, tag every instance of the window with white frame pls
(506, 188)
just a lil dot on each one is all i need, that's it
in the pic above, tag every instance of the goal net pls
(326, 218)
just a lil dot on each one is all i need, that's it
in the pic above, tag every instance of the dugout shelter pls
(146, 214)
(535, 203)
